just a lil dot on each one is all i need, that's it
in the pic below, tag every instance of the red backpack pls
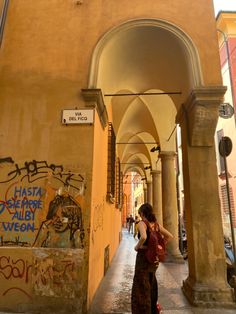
(156, 246)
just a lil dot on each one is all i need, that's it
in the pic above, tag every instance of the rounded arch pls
(188, 44)
(138, 170)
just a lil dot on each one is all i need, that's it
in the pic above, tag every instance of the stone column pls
(157, 195)
(206, 284)
(145, 194)
(149, 192)
(169, 203)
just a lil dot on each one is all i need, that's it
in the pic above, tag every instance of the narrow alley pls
(113, 294)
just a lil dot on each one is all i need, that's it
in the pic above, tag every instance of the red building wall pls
(232, 61)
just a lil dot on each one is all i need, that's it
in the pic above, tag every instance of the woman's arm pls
(167, 235)
(142, 228)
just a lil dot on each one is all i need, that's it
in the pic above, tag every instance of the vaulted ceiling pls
(144, 72)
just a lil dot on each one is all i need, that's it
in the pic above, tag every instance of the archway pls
(147, 69)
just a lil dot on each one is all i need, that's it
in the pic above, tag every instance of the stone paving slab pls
(114, 293)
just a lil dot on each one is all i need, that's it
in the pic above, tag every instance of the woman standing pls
(145, 289)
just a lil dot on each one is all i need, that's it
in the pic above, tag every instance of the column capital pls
(155, 172)
(201, 111)
(167, 155)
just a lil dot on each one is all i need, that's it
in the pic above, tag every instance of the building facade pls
(226, 27)
(76, 78)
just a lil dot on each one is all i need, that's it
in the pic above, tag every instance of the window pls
(225, 204)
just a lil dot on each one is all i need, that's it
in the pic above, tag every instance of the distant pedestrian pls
(127, 222)
(145, 288)
(130, 224)
(136, 221)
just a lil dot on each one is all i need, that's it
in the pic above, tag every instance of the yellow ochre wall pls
(45, 61)
(59, 36)
(105, 218)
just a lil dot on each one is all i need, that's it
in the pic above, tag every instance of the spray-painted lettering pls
(11, 268)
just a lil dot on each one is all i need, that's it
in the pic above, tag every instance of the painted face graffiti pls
(63, 221)
(24, 204)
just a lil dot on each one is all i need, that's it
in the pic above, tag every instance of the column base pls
(178, 259)
(174, 257)
(204, 296)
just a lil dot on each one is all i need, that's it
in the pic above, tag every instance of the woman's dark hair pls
(147, 211)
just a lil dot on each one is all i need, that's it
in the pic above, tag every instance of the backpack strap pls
(156, 226)
(147, 223)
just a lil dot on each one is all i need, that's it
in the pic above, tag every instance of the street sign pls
(226, 111)
(225, 146)
(77, 116)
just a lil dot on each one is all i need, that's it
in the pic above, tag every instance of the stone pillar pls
(169, 203)
(145, 194)
(206, 284)
(149, 192)
(157, 195)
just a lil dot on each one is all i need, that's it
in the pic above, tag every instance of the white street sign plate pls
(78, 116)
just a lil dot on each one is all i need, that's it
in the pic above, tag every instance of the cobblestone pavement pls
(113, 295)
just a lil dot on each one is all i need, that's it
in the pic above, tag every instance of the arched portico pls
(138, 67)
(125, 71)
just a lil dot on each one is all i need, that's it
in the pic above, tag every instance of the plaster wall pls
(45, 61)
(66, 51)
(105, 227)
(32, 277)
(42, 161)
(50, 170)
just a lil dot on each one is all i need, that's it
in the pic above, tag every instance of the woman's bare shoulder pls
(141, 222)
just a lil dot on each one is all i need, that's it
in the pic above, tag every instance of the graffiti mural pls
(40, 204)
(26, 274)
(36, 170)
(98, 217)
(63, 221)
(15, 270)
(19, 206)
(54, 272)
